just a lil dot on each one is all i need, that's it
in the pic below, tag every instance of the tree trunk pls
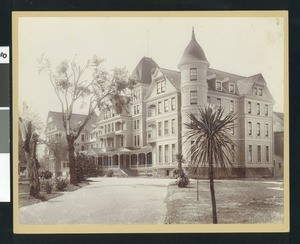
(30, 140)
(212, 187)
(33, 175)
(179, 159)
(57, 167)
(71, 150)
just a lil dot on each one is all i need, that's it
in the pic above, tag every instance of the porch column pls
(146, 160)
(118, 160)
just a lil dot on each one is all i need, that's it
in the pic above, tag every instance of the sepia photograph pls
(150, 122)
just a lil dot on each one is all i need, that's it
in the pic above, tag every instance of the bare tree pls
(29, 129)
(73, 83)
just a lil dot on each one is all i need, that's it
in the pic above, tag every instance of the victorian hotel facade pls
(146, 139)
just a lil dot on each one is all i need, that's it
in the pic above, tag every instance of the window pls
(166, 105)
(173, 105)
(249, 107)
(137, 109)
(208, 100)
(122, 141)
(279, 165)
(82, 148)
(158, 87)
(266, 110)
(231, 88)
(219, 102)
(159, 107)
(173, 126)
(193, 74)
(166, 127)
(260, 91)
(255, 91)
(250, 128)
(134, 125)
(258, 129)
(113, 112)
(159, 129)
(258, 153)
(163, 86)
(112, 127)
(123, 125)
(232, 129)
(137, 140)
(250, 153)
(266, 130)
(218, 86)
(193, 97)
(105, 129)
(232, 154)
(173, 153)
(108, 128)
(82, 137)
(134, 110)
(267, 154)
(159, 154)
(231, 106)
(166, 153)
(138, 124)
(258, 108)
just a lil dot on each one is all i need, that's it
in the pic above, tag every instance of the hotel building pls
(145, 137)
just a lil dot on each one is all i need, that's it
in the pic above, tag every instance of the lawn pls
(25, 199)
(238, 201)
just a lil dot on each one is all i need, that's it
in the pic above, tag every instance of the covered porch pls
(123, 158)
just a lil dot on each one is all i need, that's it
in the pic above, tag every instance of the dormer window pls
(260, 91)
(218, 86)
(231, 88)
(193, 74)
(255, 91)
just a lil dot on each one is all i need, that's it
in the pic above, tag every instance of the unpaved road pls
(104, 201)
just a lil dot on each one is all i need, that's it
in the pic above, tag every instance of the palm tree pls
(213, 143)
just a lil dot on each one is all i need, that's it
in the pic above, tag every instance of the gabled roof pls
(173, 76)
(75, 120)
(245, 84)
(143, 70)
(279, 115)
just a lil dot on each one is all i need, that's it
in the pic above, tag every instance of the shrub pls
(182, 179)
(61, 183)
(109, 173)
(48, 186)
(47, 174)
(84, 167)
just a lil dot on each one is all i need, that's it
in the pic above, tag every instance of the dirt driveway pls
(104, 201)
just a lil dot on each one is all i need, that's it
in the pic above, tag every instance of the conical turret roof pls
(193, 52)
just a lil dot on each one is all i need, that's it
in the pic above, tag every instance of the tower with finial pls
(193, 69)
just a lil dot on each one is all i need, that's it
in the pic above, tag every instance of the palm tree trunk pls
(212, 187)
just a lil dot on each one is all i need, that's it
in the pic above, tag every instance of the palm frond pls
(212, 127)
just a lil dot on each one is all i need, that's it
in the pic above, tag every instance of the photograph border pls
(172, 228)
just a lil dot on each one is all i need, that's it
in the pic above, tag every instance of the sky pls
(240, 45)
